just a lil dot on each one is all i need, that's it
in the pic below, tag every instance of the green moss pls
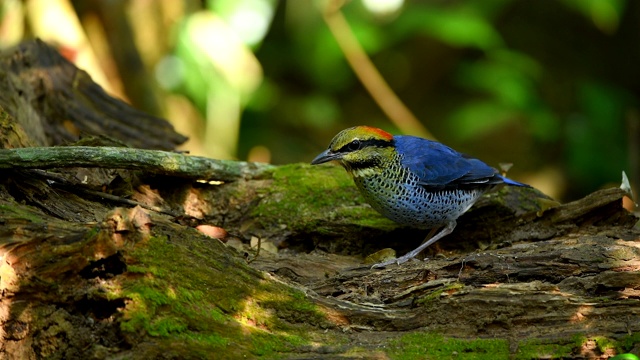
(164, 326)
(604, 343)
(92, 233)
(536, 349)
(628, 342)
(365, 217)
(436, 294)
(216, 340)
(177, 291)
(138, 269)
(311, 191)
(20, 212)
(294, 308)
(266, 344)
(434, 346)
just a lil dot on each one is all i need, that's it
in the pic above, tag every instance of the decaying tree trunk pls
(103, 259)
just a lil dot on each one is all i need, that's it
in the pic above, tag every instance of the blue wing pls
(440, 167)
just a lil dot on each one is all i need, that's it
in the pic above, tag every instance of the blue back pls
(440, 167)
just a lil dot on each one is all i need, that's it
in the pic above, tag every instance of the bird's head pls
(358, 147)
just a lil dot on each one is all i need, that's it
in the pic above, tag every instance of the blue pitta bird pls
(411, 180)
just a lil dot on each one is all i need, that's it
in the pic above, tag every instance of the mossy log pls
(86, 274)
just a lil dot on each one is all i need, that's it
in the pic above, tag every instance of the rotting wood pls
(55, 103)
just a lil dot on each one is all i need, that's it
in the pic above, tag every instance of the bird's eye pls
(354, 145)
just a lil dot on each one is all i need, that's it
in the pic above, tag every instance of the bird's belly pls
(411, 204)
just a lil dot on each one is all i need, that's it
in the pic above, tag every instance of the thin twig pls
(249, 261)
(369, 76)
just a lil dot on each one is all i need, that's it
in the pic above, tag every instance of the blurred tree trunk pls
(87, 274)
(120, 36)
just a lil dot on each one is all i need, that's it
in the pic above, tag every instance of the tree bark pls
(54, 103)
(102, 262)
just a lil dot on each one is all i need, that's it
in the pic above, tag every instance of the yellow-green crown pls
(362, 134)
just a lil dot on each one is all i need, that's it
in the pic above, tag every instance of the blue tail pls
(508, 181)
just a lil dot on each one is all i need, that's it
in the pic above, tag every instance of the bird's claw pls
(398, 261)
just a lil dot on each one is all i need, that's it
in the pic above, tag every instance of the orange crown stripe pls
(383, 134)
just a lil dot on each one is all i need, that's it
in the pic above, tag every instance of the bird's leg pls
(430, 235)
(411, 254)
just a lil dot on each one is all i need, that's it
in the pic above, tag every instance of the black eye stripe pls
(367, 143)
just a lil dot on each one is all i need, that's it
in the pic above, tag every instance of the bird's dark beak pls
(326, 156)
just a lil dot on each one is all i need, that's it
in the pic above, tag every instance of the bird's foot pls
(400, 260)
(428, 241)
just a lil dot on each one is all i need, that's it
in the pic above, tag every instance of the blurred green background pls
(550, 86)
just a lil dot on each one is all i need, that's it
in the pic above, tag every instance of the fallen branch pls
(151, 161)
